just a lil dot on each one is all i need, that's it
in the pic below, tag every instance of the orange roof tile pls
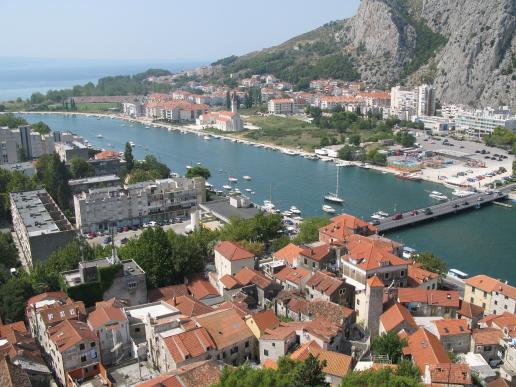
(232, 251)
(162, 381)
(483, 282)
(316, 253)
(225, 327)
(450, 373)
(189, 344)
(188, 306)
(47, 296)
(265, 319)
(247, 276)
(294, 275)
(337, 364)
(425, 348)
(107, 154)
(289, 253)
(269, 363)
(375, 282)
(229, 282)
(105, 315)
(395, 316)
(70, 333)
(167, 292)
(369, 254)
(201, 288)
(447, 298)
(487, 336)
(470, 310)
(324, 283)
(417, 276)
(449, 327)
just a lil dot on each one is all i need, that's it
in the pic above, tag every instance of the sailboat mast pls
(337, 191)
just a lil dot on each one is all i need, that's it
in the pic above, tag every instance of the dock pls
(450, 207)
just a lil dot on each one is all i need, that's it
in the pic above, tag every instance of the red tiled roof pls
(229, 282)
(47, 296)
(70, 333)
(269, 363)
(331, 311)
(105, 315)
(369, 254)
(425, 348)
(375, 282)
(289, 253)
(201, 288)
(189, 344)
(337, 364)
(487, 336)
(324, 283)
(450, 373)
(232, 251)
(162, 381)
(296, 275)
(417, 276)
(395, 316)
(265, 319)
(447, 298)
(188, 306)
(247, 276)
(470, 310)
(167, 292)
(316, 253)
(449, 327)
(107, 154)
(488, 284)
(225, 327)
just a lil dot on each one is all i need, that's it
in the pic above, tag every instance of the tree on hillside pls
(8, 256)
(346, 153)
(54, 175)
(228, 101)
(385, 377)
(310, 373)
(14, 294)
(128, 156)
(354, 139)
(80, 168)
(309, 229)
(40, 127)
(431, 263)
(389, 344)
(198, 171)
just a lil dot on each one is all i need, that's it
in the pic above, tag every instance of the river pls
(480, 241)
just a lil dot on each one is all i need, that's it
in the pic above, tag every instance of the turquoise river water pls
(479, 241)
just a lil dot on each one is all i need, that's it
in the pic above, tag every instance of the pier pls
(450, 207)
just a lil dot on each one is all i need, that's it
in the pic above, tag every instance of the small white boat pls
(246, 177)
(408, 252)
(462, 194)
(100, 135)
(207, 137)
(438, 195)
(170, 129)
(253, 193)
(287, 213)
(248, 190)
(188, 167)
(236, 190)
(109, 144)
(328, 209)
(226, 186)
(133, 144)
(232, 179)
(208, 185)
(379, 215)
(295, 210)
(199, 163)
(298, 218)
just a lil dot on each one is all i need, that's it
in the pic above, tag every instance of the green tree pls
(228, 101)
(431, 263)
(80, 168)
(324, 142)
(14, 294)
(279, 243)
(346, 153)
(389, 344)
(11, 121)
(309, 229)
(354, 139)
(37, 98)
(405, 139)
(128, 156)
(198, 171)
(408, 368)
(379, 159)
(310, 373)
(54, 175)
(40, 127)
(385, 377)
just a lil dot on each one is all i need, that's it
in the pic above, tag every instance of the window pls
(265, 352)
(342, 291)
(92, 344)
(81, 346)
(83, 358)
(485, 294)
(505, 307)
(306, 261)
(471, 300)
(247, 344)
(137, 329)
(484, 305)
(402, 273)
(487, 348)
(358, 302)
(386, 275)
(273, 344)
(313, 264)
(62, 313)
(473, 290)
(496, 302)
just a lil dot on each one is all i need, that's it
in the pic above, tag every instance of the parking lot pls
(124, 236)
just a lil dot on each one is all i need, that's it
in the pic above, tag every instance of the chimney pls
(174, 303)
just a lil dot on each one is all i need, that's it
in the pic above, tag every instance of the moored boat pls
(328, 209)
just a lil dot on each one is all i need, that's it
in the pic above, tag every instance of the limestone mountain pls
(467, 48)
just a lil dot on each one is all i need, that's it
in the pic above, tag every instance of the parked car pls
(428, 211)
(397, 216)
(413, 213)
(107, 240)
(125, 229)
(123, 241)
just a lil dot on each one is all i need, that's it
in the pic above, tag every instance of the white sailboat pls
(328, 209)
(334, 197)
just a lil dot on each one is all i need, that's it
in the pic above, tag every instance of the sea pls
(478, 241)
(20, 77)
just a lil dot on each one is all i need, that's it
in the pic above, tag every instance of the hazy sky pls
(157, 29)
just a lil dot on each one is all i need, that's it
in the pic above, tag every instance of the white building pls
(404, 102)
(9, 143)
(224, 121)
(23, 139)
(102, 208)
(281, 106)
(481, 122)
(425, 100)
(230, 258)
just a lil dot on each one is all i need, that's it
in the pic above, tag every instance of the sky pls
(171, 30)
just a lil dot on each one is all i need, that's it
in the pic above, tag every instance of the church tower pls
(234, 103)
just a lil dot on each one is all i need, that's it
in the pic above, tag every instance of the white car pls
(150, 224)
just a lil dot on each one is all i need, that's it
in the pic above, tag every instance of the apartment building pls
(40, 226)
(230, 258)
(9, 142)
(69, 150)
(494, 296)
(87, 183)
(454, 335)
(425, 100)
(175, 110)
(22, 140)
(281, 106)
(224, 121)
(477, 123)
(396, 319)
(426, 303)
(135, 204)
(107, 162)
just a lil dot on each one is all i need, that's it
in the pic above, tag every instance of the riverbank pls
(440, 176)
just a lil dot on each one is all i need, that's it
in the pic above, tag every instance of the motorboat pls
(207, 137)
(409, 176)
(246, 177)
(132, 143)
(287, 213)
(248, 190)
(438, 195)
(334, 197)
(379, 215)
(188, 167)
(408, 252)
(232, 179)
(328, 209)
(295, 210)
(100, 135)
(226, 186)
(462, 194)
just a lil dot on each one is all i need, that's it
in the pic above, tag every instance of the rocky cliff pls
(467, 48)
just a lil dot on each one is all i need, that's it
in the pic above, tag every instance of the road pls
(441, 209)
